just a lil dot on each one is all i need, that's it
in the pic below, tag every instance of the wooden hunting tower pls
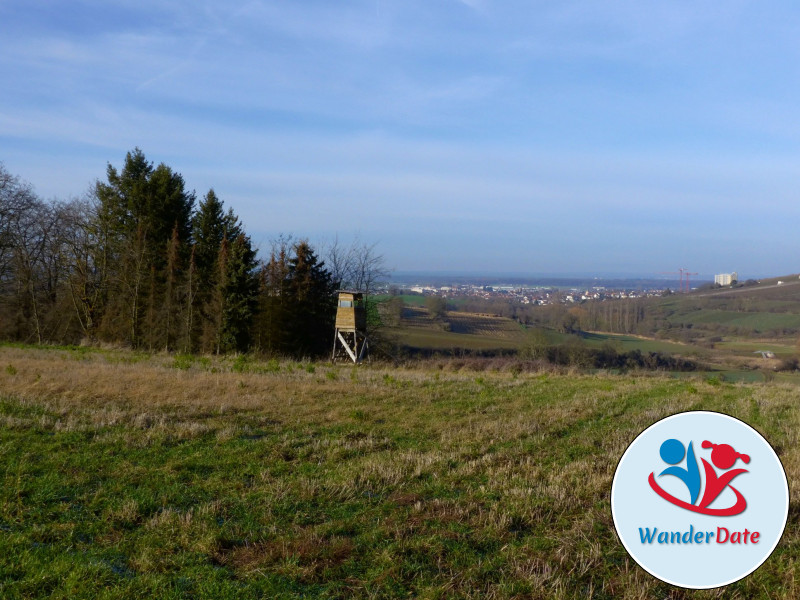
(350, 338)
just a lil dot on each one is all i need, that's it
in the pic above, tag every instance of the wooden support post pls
(346, 346)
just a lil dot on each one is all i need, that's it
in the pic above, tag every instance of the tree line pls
(140, 262)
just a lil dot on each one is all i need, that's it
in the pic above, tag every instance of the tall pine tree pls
(311, 306)
(240, 295)
(218, 253)
(139, 208)
(270, 336)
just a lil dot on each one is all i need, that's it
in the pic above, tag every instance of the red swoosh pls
(737, 508)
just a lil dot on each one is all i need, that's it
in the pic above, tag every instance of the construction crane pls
(687, 274)
(680, 279)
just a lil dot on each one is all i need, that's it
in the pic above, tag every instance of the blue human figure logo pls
(672, 452)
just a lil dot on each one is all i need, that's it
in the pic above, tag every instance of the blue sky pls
(461, 135)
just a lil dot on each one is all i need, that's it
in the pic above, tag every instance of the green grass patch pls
(626, 343)
(394, 483)
(446, 340)
(757, 321)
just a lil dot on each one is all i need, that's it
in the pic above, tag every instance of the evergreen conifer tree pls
(311, 303)
(139, 208)
(216, 235)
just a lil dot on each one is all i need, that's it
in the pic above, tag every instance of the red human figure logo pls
(724, 457)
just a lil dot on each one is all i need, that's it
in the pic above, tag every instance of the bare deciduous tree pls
(37, 257)
(358, 265)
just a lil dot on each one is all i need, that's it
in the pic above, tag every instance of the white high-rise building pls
(726, 278)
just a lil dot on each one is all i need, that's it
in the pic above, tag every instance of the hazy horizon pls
(574, 137)
(622, 280)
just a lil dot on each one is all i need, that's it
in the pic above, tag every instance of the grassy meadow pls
(130, 475)
(458, 331)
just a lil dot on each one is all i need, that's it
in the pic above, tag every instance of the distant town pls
(531, 295)
(539, 292)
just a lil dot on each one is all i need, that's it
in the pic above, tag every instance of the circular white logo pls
(699, 499)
